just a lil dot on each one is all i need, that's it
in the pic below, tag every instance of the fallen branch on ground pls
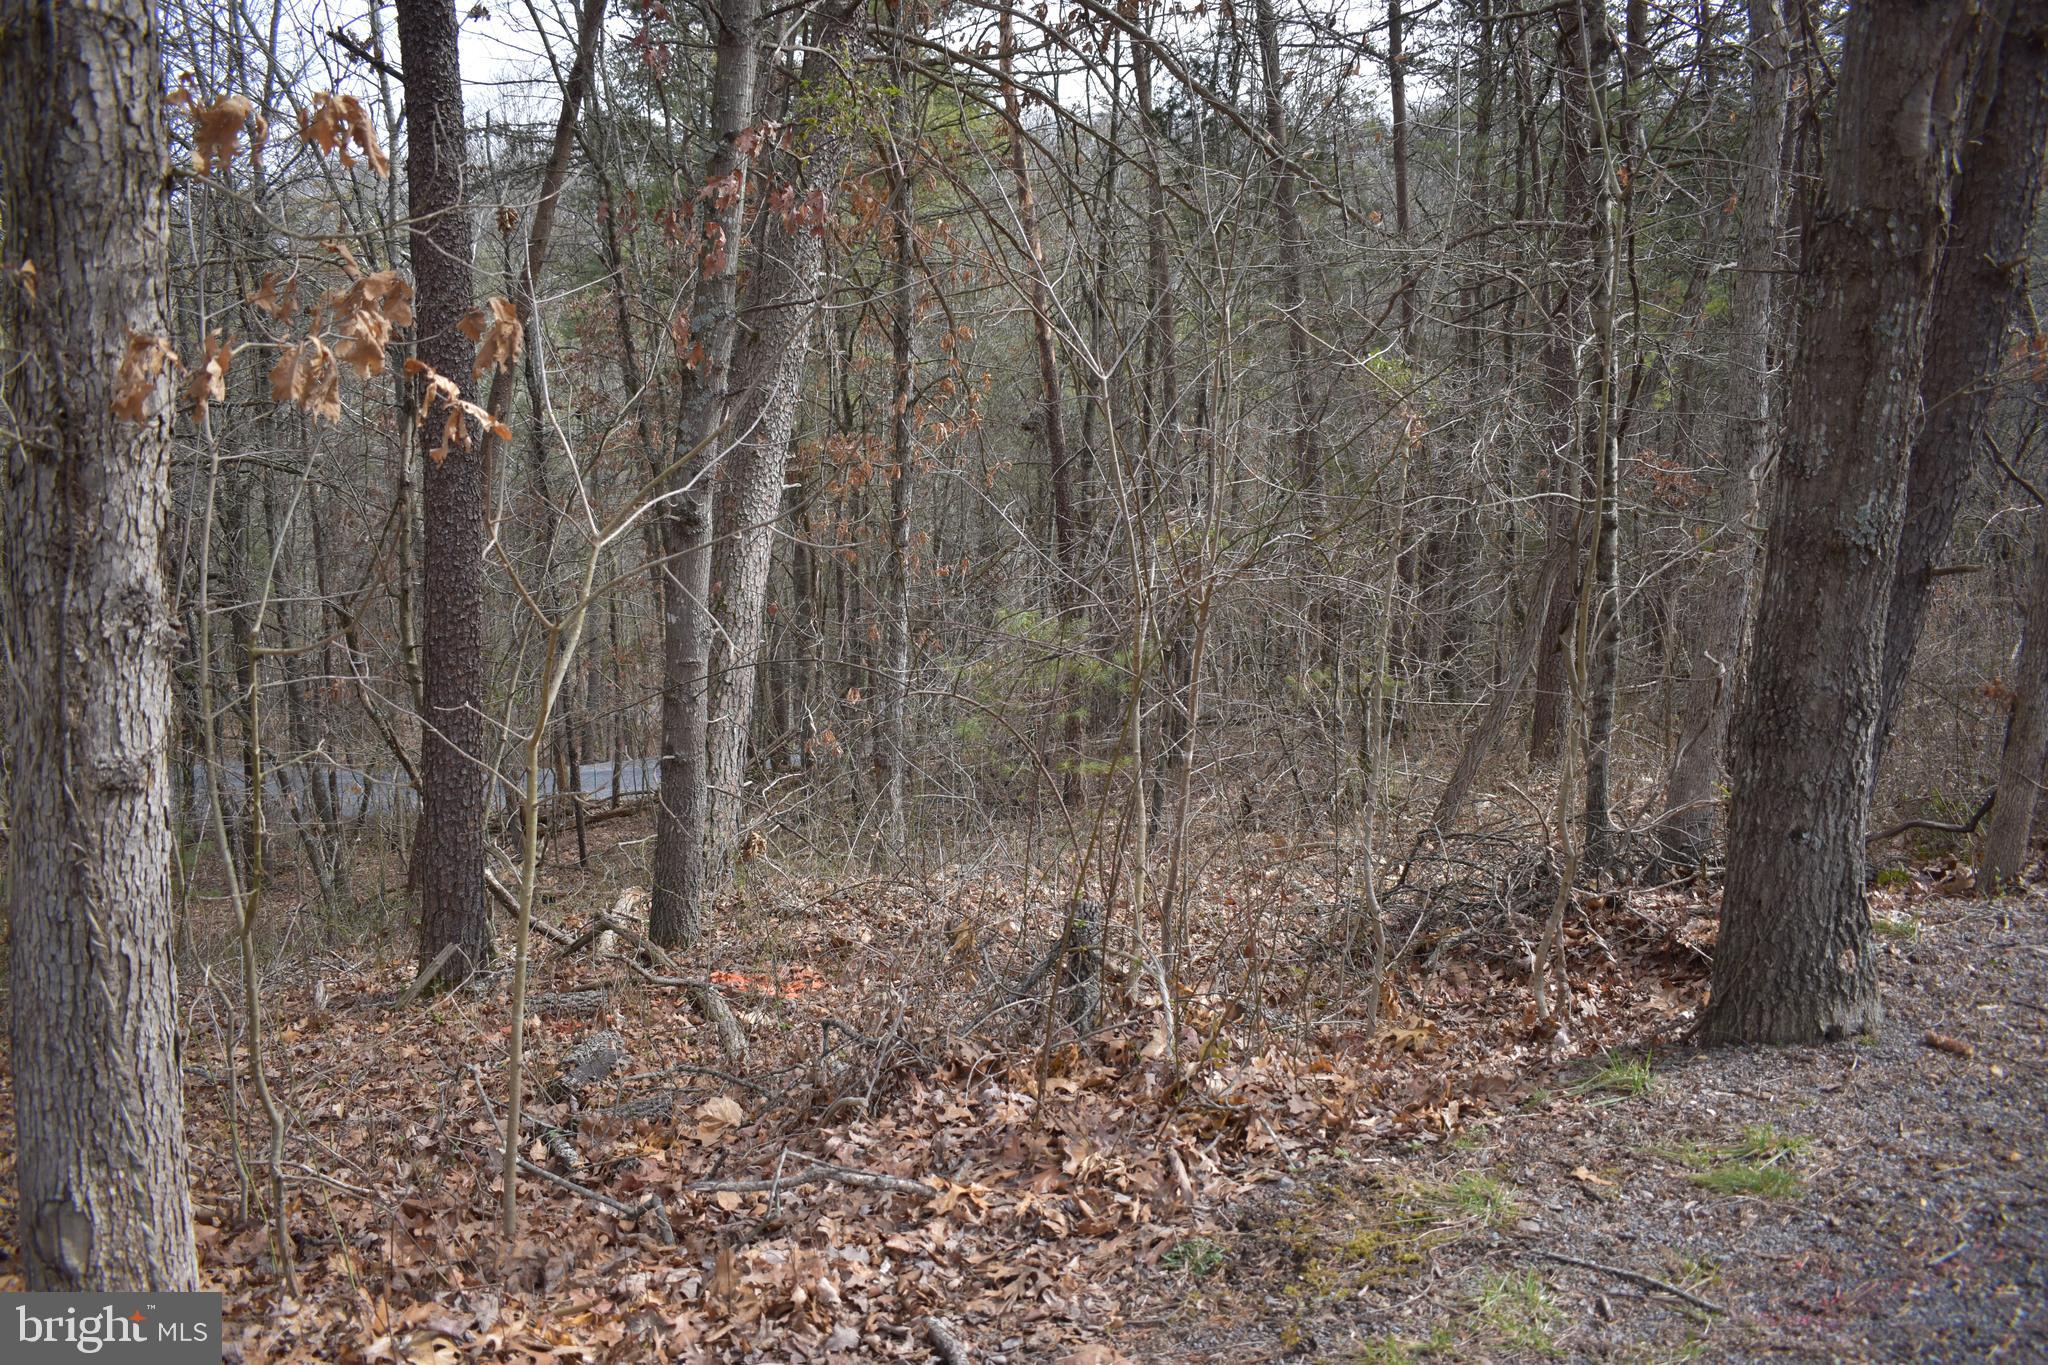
(509, 902)
(1637, 1277)
(946, 1344)
(1938, 826)
(705, 999)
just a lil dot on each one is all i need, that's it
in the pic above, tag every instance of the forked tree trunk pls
(1723, 588)
(1979, 285)
(449, 854)
(97, 1094)
(1794, 961)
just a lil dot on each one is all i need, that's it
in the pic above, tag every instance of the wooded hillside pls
(845, 681)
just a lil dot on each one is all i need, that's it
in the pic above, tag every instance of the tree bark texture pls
(97, 1092)
(682, 818)
(785, 286)
(1979, 285)
(450, 853)
(892, 756)
(1794, 961)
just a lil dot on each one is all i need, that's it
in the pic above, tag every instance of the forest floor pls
(1308, 1165)
(1881, 1200)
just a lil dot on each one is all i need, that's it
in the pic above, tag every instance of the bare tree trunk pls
(1316, 624)
(449, 853)
(891, 753)
(1550, 703)
(2026, 737)
(784, 290)
(1794, 961)
(1586, 45)
(1981, 273)
(93, 995)
(681, 886)
(1723, 591)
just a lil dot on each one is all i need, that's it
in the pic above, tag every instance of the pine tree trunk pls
(98, 1097)
(449, 854)
(1794, 961)
(1585, 47)
(891, 741)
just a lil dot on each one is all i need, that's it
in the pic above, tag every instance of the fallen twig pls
(650, 1207)
(946, 1342)
(426, 977)
(509, 902)
(1637, 1277)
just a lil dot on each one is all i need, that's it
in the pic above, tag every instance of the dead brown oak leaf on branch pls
(455, 410)
(494, 326)
(364, 315)
(142, 365)
(339, 122)
(307, 377)
(278, 298)
(217, 129)
(209, 383)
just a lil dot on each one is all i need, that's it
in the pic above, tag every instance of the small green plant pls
(1892, 878)
(1517, 1311)
(1754, 1178)
(1617, 1074)
(1196, 1257)
(1755, 1165)
(1763, 1142)
(1473, 1195)
(1398, 1351)
(1904, 927)
(1693, 1272)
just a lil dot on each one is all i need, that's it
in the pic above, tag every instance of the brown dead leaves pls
(217, 128)
(209, 383)
(337, 123)
(362, 314)
(142, 364)
(494, 327)
(441, 398)
(306, 376)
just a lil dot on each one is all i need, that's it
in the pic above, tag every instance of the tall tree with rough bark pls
(682, 820)
(84, 183)
(892, 746)
(1794, 961)
(1586, 41)
(1723, 591)
(785, 287)
(449, 852)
